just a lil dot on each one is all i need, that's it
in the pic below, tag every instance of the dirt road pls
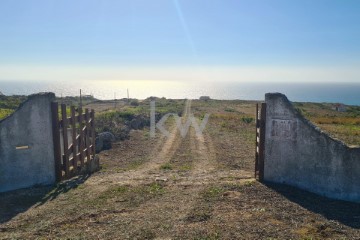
(167, 150)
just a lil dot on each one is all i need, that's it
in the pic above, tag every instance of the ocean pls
(347, 93)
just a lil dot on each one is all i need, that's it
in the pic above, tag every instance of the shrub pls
(247, 119)
(230, 110)
(134, 102)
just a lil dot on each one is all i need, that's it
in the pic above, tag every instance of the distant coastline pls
(347, 93)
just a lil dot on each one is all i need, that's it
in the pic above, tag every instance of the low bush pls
(247, 119)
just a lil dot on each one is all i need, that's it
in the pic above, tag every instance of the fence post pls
(92, 115)
(256, 139)
(262, 142)
(65, 140)
(56, 140)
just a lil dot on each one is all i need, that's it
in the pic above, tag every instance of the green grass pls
(203, 211)
(229, 110)
(8, 104)
(130, 196)
(185, 167)
(247, 119)
(212, 193)
(5, 112)
(11, 102)
(166, 166)
(115, 191)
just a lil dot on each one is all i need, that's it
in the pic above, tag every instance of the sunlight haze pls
(180, 40)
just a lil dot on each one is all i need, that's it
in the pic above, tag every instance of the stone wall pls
(298, 153)
(26, 145)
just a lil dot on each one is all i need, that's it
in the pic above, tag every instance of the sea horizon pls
(346, 93)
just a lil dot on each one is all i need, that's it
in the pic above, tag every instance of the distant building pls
(87, 96)
(339, 107)
(205, 98)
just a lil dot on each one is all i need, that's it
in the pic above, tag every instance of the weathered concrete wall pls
(29, 127)
(299, 154)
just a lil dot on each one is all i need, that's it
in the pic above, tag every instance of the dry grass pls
(344, 126)
(337, 120)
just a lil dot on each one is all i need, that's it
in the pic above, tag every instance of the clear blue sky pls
(43, 38)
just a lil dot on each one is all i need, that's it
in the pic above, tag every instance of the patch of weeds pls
(200, 214)
(120, 189)
(156, 189)
(134, 102)
(135, 164)
(130, 196)
(223, 124)
(213, 236)
(212, 193)
(142, 194)
(203, 211)
(103, 167)
(80, 186)
(145, 234)
(300, 110)
(166, 166)
(119, 169)
(146, 134)
(165, 226)
(114, 192)
(174, 178)
(5, 112)
(229, 178)
(238, 187)
(230, 110)
(247, 119)
(250, 183)
(202, 116)
(185, 167)
(248, 135)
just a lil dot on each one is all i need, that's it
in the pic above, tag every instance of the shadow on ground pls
(348, 213)
(18, 201)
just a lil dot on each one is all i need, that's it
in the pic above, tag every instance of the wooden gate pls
(260, 142)
(74, 140)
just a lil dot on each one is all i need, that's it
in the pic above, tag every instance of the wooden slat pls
(81, 138)
(84, 154)
(71, 160)
(71, 148)
(256, 138)
(56, 140)
(74, 138)
(65, 141)
(77, 119)
(87, 134)
(92, 115)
